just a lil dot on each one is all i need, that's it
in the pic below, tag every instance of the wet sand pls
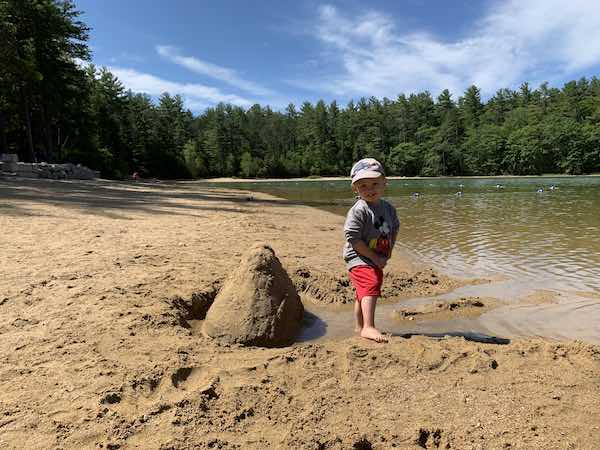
(99, 348)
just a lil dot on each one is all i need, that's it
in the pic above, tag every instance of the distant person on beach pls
(370, 230)
(135, 176)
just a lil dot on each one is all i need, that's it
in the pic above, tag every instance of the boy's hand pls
(380, 261)
(363, 249)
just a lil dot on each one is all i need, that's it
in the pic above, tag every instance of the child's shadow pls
(469, 336)
(314, 327)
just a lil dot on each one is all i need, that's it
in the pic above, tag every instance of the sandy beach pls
(100, 347)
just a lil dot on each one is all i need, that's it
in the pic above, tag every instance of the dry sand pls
(102, 290)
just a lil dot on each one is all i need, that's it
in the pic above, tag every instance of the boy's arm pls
(395, 228)
(394, 236)
(363, 249)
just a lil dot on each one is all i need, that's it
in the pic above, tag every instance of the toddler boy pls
(370, 230)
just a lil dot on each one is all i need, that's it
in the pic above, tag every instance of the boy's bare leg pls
(358, 317)
(368, 313)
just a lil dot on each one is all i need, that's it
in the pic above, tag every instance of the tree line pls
(55, 109)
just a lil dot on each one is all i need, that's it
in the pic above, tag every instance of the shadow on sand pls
(312, 327)
(469, 336)
(114, 198)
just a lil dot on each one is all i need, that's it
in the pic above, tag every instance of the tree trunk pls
(47, 130)
(30, 154)
(59, 145)
(3, 138)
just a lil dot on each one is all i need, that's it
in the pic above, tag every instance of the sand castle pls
(258, 303)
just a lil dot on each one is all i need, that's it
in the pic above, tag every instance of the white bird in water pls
(540, 190)
(499, 186)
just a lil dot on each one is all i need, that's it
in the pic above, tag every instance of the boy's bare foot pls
(357, 329)
(373, 334)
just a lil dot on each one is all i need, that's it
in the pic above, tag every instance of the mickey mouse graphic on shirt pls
(381, 244)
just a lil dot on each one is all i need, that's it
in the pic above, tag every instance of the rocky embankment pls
(9, 165)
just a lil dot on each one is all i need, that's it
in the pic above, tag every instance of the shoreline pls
(99, 349)
(341, 178)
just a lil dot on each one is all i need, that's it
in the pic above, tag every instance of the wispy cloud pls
(514, 41)
(214, 71)
(127, 56)
(197, 96)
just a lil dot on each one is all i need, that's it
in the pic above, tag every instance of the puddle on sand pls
(522, 312)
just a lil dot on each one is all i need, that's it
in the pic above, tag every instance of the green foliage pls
(525, 153)
(101, 159)
(405, 159)
(194, 159)
(53, 109)
(248, 166)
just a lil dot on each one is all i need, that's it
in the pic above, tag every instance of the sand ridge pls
(445, 310)
(105, 285)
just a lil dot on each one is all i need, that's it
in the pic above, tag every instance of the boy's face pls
(370, 189)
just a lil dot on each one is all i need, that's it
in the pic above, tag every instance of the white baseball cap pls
(366, 168)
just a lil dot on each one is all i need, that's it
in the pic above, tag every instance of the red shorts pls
(367, 281)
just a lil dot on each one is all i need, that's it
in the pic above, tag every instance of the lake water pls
(516, 229)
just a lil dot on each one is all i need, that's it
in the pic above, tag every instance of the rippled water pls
(550, 239)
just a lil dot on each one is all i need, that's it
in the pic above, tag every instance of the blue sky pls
(274, 52)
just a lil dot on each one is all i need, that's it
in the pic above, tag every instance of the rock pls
(44, 170)
(8, 166)
(257, 305)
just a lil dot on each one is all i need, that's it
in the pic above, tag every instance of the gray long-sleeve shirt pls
(376, 225)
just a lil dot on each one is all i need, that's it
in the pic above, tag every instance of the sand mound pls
(257, 305)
